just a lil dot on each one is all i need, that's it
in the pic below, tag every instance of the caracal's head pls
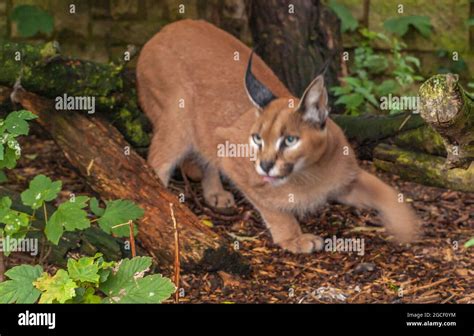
(289, 134)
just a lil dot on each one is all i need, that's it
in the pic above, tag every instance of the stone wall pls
(101, 29)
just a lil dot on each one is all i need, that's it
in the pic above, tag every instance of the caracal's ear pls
(258, 93)
(314, 102)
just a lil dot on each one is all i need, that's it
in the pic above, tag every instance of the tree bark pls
(295, 39)
(114, 170)
(447, 108)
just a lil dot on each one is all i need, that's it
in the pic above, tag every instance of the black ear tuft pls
(258, 93)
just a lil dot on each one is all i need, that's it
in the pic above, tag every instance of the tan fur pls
(194, 61)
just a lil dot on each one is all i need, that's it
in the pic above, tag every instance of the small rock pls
(364, 267)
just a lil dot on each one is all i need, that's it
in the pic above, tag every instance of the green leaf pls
(95, 208)
(69, 216)
(127, 269)
(20, 289)
(84, 270)
(469, 243)
(127, 284)
(16, 123)
(58, 288)
(348, 22)
(10, 156)
(386, 87)
(351, 101)
(119, 212)
(91, 297)
(31, 20)
(150, 289)
(400, 25)
(41, 190)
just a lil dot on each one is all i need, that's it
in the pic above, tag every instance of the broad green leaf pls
(41, 190)
(69, 216)
(119, 212)
(128, 284)
(400, 25)
(150, 289)
(95, 208)
(16, 123)
(125, 274)
(32, 20)
(56, 289)
(84, 270)
(20, 289)
(348, 22)
(351, 101)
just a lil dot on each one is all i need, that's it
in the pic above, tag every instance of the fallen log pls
(43, 70)
(114, 170)
(423, 168)
(449, 110)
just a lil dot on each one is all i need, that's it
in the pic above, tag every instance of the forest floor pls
(437, 268)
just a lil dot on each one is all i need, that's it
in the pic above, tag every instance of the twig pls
(177, 266)
(414, 290)
(132, 239)
(2, 266)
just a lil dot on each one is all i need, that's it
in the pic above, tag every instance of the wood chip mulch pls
(435, 269)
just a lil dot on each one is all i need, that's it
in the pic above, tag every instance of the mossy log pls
(114, 170)
(368, 131)
(447, 108)
(43, 70)
(422, 139)
(423, 168)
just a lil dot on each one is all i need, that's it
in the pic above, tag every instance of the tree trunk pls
(114, 170)
(447, 108)
(295, 39)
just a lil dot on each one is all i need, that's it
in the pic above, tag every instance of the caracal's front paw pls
(220, 199)
(306, 243)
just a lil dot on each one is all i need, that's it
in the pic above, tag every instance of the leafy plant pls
(87, 280)
(348, 22)
(401, 25)
(31, 20)
(361, 92)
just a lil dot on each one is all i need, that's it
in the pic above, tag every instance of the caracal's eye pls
(290, 140)
(257, 139)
